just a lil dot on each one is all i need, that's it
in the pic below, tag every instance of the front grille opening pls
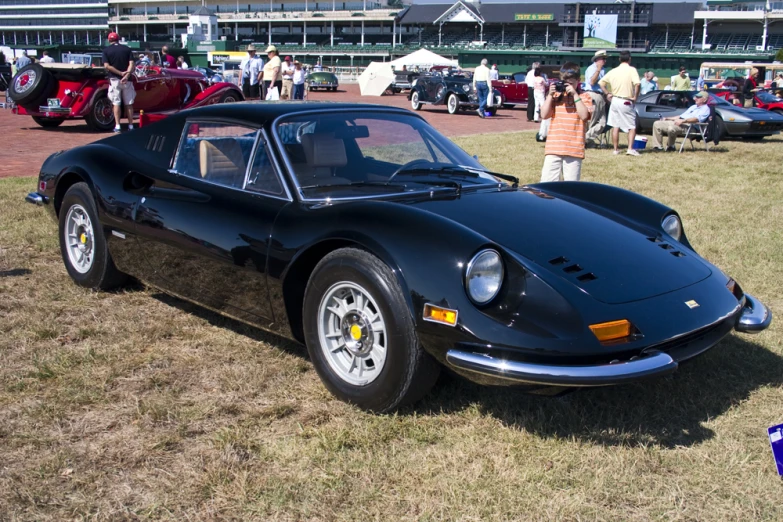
(588, 277)
(677, 253)
(573, 268)
(558, 261)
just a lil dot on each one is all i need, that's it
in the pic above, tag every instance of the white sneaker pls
(617, 152)
(117, 129)
(130, 127)
(633, 152)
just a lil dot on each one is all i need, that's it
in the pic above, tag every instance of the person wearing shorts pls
(118, 62)
(621, 86)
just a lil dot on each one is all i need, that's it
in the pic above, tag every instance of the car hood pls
(616, 262)
(761, 115)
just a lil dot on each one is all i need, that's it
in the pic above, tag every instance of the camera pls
(560, 86)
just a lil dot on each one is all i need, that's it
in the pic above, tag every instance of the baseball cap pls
(703, 94)
(287, 58)
(113, 37)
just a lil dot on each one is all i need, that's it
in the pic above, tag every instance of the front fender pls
(621, 204)
(212, 94)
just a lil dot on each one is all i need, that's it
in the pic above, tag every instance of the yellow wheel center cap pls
(83, 238)
(356, 332)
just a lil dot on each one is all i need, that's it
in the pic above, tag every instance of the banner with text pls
(600, 31)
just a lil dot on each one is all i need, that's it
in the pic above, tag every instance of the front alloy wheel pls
(360, 334)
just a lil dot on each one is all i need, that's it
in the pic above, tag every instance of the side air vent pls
(666, 246)
(155, 143)
(573, 268)
(677, 253)
(558, 261)
(655, 239)
(587, 277)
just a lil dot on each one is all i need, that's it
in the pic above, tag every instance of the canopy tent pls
(375, 79)
(422, 58)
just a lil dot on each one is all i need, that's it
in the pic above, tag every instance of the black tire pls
(334, 89)
(48, 122)
(452, 103)
(753, 138)
(230, 97)
(96, 119)
(101, 274)
(720, 128)
(415, 103)
(30, 84)
(408, 372)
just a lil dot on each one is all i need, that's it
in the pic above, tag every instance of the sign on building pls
(550, 17)
(600, 31)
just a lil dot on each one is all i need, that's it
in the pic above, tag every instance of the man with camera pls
(621, 86)
(568, 110)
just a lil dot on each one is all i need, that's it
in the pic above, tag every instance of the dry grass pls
(132, 405)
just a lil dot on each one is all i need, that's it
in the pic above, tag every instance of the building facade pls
(53, 22)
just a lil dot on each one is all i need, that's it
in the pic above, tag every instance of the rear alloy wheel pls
(48, 122)
(415, 103)
(452, 103)
(82, 243)
(361, 336)
(101, 115)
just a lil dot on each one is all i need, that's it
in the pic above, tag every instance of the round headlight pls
(672, 226)
(466, 87)
(484, 276)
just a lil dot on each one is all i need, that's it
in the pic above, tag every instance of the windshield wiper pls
(459, 170)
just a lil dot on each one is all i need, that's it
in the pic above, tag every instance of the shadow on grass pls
(234, 325)
(667, 411)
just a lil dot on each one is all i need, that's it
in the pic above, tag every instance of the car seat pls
(324, 155)
(222, 161)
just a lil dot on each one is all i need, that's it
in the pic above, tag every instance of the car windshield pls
(364, 153)
(717, 101)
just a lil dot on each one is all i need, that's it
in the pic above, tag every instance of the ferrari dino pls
(390, 252)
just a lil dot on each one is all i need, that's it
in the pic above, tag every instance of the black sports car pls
(732, 121)
(454, 90)
(362, 232)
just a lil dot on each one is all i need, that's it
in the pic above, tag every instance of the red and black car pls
(54, 92)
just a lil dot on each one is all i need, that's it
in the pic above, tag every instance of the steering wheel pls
(407, 166)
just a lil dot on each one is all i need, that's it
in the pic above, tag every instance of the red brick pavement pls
(24, 145)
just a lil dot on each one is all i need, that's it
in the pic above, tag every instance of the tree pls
(779, 55)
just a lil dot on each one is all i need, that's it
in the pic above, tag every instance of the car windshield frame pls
(767, 97)
(445, 180)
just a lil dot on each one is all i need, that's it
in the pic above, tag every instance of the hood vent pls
(573, 269)
(666, 246)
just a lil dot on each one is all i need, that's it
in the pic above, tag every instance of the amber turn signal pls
(611, 330)
(436, 314)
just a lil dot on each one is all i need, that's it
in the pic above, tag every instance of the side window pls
(262, 177)
(669, 99)
(216, 152)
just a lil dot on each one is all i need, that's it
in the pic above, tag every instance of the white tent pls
(422, 58)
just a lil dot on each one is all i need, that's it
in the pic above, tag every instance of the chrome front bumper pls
(753, 318)
(654, 365)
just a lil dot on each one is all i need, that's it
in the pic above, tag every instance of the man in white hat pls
(593, 75)
(271, 73)
(251, 73)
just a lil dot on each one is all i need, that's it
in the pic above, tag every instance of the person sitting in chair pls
(673, 127)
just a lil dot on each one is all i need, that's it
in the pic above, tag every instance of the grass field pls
(132, 405)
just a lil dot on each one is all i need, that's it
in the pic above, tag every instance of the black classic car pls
(452, 89)
(364, 233)
(403, 80)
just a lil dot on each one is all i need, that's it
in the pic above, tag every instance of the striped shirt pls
(566, 135)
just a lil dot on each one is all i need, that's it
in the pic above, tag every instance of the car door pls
(207, 232)
(519, 90)
(156, 90)
(664, 104)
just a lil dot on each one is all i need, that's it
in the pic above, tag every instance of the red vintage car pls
(763, 99)
(513, 90)
(54, 92)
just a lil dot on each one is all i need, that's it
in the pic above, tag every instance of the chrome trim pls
(430, 320)
(36, 199)
(54, 110)
(118, 234)
(755, 316)
(277, 167)
(654, 365)
(470, 266)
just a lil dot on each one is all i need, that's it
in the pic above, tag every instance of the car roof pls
(257, 111)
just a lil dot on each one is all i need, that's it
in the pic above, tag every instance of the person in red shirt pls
(168, 60)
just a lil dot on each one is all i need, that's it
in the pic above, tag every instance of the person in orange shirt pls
(569, 111)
